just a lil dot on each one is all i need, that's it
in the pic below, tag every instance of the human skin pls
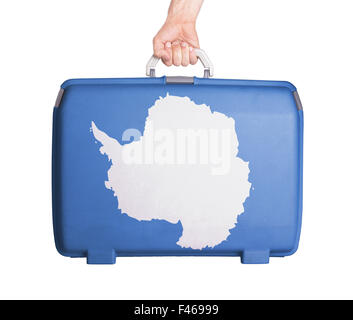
(175, 41)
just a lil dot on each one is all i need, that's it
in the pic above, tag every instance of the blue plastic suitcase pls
(177, 166)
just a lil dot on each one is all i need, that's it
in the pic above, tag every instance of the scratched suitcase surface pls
(177, 166)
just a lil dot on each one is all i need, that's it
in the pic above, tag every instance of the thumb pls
(159, 50)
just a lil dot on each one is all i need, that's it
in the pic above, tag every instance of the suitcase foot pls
(101, 257)
(255, 257)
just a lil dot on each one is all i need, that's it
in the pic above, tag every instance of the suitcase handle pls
(206, 62)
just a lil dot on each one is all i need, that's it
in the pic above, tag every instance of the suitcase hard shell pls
(103, 208)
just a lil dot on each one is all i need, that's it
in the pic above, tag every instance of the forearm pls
(185, 11)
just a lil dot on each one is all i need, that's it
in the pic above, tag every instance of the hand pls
(176, 40)
(175, 43)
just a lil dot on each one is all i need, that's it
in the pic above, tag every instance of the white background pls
(45, 42)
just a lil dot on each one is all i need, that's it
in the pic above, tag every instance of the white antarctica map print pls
(182, 167)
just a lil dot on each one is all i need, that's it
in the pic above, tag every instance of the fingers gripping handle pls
(206, 62)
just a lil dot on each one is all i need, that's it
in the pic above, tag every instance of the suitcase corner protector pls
(297, 100)
(59, 98)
